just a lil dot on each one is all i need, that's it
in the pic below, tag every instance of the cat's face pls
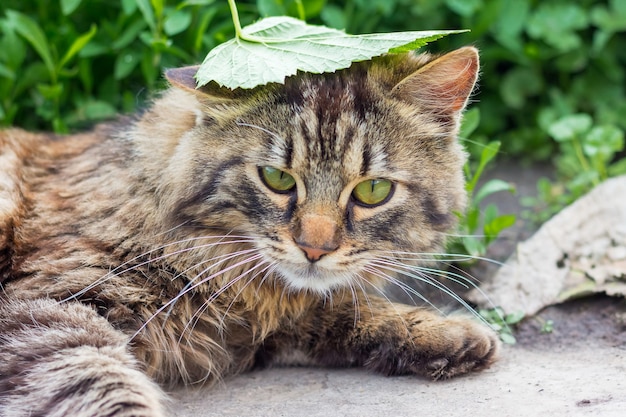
(332, 175)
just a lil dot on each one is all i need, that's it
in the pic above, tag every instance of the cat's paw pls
(438, 348)
(457, 346)
(463, 346)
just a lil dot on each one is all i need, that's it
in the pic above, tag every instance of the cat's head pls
(326, 173)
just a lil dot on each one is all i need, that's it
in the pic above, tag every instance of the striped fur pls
(150, 250)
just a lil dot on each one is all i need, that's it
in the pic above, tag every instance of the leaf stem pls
(235, 16)
(580, 154)
(239, 35)
(301, 12)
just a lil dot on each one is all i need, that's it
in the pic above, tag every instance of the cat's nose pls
(317, 235)
(315, 254)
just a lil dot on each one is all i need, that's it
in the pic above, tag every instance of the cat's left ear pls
(442, 86)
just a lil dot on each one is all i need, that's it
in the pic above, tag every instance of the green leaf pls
(488, 153)
(557, 23)
(471, 119)
(194, 3)
(68, 6)
(129, 6)
(77, 45)
(6, 72)
(148, 14)
(569, 127)
(277, 47)
(271, 7)
(50, 92)
(30, 30)
(12, 47)
(334, 16)
(507, 338)
(99, 110)
(495, 226)
(158, 6)
(473, 246)
(604, 141)
(514, 318)
(129, 35)
(125, 64)
(465, 8)
(518, 84)
(617, 168)
(491, 187)
(177, 22)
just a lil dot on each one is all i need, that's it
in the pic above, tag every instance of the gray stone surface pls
(583, 380)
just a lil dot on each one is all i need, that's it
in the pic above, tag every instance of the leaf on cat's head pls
(444, 84)
(276, 47)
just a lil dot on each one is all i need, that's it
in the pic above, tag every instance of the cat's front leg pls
(65, 360)
(390, 338)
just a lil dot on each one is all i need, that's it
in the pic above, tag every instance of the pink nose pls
(314, 254)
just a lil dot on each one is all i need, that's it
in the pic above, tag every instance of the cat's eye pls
(277, 180)
(372, 193)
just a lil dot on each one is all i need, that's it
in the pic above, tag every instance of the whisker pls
(194, 286)
(439, 257)
(406, 288)
(116, 271)
(413, 273)
(391, 303)
(196, 316)
(190, 285)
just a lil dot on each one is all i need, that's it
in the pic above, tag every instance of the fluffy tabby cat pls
(226, 229)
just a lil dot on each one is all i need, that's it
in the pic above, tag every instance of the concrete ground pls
(561, 374)
(577, 370)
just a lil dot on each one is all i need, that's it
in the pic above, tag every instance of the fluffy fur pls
(152, 250)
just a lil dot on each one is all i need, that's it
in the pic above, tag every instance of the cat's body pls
(225, 230)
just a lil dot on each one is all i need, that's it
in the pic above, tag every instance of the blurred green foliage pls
(545, 64)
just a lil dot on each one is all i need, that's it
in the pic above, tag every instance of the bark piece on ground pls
(581, 251)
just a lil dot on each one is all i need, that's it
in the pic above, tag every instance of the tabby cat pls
(222, 230)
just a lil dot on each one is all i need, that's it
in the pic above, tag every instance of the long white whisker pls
(192, 323)
(440, 286)
(406, 288)
(393, 305)
(412, 273)
(191, 288)
(222, 258)
(116, 271)
(438, 257)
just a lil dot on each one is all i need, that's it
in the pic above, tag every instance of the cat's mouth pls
(316, 277)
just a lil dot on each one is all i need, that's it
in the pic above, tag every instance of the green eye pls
(372, 192)
(277, 180)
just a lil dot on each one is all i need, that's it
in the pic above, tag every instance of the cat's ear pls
(442, 86)
(184, 79)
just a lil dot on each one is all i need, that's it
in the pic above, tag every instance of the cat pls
(226, 229)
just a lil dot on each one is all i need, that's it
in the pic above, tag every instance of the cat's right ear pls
(184, 79)
(442, 86)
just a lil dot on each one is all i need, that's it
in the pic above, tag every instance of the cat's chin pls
(309, 277)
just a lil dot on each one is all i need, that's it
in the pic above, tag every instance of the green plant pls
(547, 326)
(502, 323)
(478, 225)
(63, 67)
(587, 156)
